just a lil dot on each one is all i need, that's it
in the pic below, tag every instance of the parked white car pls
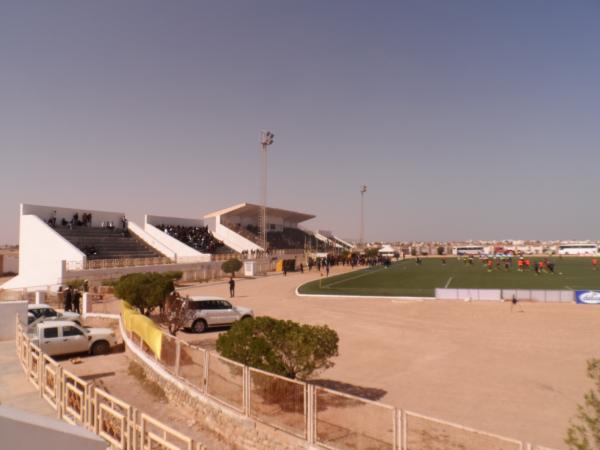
(41, 312)
(64, 337)
(206, 312)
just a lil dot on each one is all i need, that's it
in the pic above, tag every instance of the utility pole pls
(266, 139)
(363, 189)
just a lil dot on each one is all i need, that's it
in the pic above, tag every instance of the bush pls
(76, 284)
(584, 430)
(145, 291)
(282, 347)
(231, 266)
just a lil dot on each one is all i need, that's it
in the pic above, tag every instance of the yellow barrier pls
(144, 327)
(279, 266)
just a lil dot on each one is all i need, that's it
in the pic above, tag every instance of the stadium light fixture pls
(266, 139)
(363, 190)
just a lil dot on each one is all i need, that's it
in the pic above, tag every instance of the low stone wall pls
(235, 428)
(240, 431)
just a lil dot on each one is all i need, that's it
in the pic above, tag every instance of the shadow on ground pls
(351, 389)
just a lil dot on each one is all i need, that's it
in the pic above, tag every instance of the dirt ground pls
(477, 364)
(111, 373)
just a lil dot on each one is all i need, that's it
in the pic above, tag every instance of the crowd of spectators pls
(77, 220)
(197, 237)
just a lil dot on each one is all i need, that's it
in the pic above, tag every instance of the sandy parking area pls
(477, 364)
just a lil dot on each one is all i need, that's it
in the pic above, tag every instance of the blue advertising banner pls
(588, 297)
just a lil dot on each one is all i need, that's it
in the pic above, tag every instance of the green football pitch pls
(408, 279)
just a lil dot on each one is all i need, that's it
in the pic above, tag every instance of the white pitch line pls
(354, 278)
(448, 282)
(569, 287)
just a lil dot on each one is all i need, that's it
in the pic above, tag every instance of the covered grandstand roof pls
(252, 210)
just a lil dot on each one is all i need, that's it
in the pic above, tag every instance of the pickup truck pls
(64, 337)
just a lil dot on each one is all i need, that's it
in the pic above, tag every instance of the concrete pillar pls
(85, 307)
(177, 356)
(40, 296)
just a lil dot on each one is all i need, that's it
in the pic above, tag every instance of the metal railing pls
(75, 266)
(79, 402)
(317, 415)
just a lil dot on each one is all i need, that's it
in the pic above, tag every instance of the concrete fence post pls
(404, 444)
(206, 358)
(177, 356)
(39, 297)
(85, 300)
(310, 413)
(246, 390)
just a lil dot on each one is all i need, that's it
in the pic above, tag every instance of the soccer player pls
(514, 303)
(490, 264)
(595, 263)
(520, 265)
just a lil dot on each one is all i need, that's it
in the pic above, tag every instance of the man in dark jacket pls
(68, 299)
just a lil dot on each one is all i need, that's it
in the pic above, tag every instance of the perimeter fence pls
(79, 402)
(536, 295)
(322, 417)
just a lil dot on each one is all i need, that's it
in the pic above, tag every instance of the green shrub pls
(282, 347)
(231, 266)
(145, 291)
(584, 430)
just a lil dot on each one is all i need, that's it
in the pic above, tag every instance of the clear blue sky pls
(466, 119)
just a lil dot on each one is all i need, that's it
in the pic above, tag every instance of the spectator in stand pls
(198, 237)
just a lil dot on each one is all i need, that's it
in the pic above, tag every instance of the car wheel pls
(199, 326)
(246, 317)
(100, 348)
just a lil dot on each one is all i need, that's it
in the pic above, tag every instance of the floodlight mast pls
(363, 189)
(266, 139)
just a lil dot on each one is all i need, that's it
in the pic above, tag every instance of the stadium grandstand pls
(58, 244)
(332, 241)
(193, 233)
(238, 227)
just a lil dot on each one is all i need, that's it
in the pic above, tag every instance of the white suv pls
(206, 312)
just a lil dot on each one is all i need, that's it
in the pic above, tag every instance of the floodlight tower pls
(266, 139)
(363, 189)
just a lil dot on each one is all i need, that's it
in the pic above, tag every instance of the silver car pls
(206, 312)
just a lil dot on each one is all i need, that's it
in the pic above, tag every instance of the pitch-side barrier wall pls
(537, 295)
(313, 415)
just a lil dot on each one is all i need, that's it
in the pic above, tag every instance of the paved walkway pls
(15, 389)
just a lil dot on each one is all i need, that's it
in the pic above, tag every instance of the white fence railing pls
(92, 264)
(321, 417)
(78, 402)
(537, 295)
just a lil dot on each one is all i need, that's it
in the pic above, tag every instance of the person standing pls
(68, 299)
(515, 303)
(76, 301)
(231, 287)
